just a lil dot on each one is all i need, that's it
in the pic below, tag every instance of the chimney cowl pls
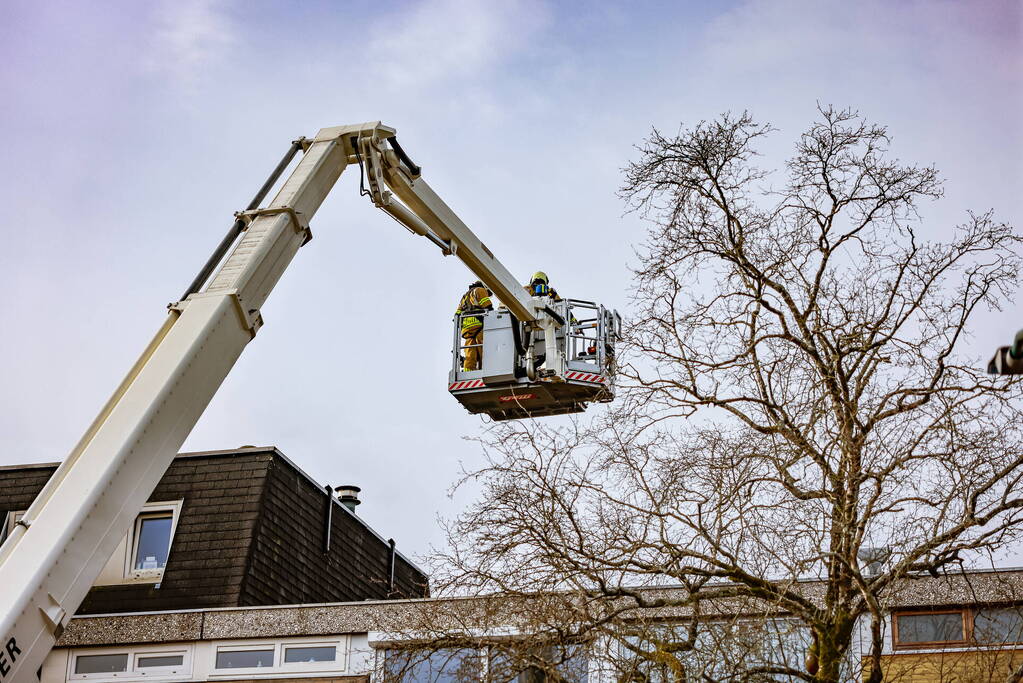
(348, 494)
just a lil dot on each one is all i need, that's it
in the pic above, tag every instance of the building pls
(243, 568)
(234, 528)
(932, 635)
(963, 626)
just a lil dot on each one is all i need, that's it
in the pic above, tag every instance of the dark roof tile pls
(250, 532)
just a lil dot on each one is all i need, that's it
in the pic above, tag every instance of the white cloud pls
(440, 40)
(189, 37)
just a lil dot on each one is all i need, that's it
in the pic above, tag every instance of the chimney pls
(348, 495)
(874, 559)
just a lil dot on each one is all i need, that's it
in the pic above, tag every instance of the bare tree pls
(795, 399)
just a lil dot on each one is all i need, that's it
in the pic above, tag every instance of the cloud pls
(189, 37)
(441, 40)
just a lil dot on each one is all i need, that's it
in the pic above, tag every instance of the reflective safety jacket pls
(476, 300)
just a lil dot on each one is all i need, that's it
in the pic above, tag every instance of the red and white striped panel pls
(585, 377)
(466, 384)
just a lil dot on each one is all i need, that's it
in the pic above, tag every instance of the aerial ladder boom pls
(385, 165)
(56, 551)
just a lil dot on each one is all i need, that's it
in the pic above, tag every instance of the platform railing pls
(459, 345)
(580, 342)
(585, 338)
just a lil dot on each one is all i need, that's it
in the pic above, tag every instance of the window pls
(141, 556)
(931, 628)
(993, 625)
(996, 625)
(145, 662)
(710, 649)
(310, 653)
(505, 664)
(10, 520)
(540, 664)
(449, 665)
(159, 661)
(151, 540)
(101, 664)
(291, 655)
(237, 658)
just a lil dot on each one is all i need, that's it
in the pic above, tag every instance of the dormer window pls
(142, 554)
(151, 541)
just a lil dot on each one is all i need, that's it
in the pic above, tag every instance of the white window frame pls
(173, 508)
(181, 670)
(339, 666)
(163, 673)
(340, 655)
(120, 567)
(11, 520)
(104, 676)
(242, 647)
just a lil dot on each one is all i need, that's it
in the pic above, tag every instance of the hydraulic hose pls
(416, 170)
(517, 335)
(239, 224)
(552, 313)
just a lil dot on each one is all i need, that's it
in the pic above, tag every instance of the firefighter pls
(472, 305)
(539, 286)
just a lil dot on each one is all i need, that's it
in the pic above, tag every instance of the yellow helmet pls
(540, 275)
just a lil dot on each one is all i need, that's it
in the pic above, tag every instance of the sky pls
(133, 131)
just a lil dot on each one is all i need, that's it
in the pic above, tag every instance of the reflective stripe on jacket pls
(476, 300)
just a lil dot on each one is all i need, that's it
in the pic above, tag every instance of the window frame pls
(480, 653)
(101, 675)
(973, 625)
(149, 511)
(339, 666)
(965, 614)
(153, 671)
(134, 653)
(119, 568)
(262, 646)
(11, 520)
(381, 643)
(340, 655)
(131, 540)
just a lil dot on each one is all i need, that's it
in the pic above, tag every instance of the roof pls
(251, 531)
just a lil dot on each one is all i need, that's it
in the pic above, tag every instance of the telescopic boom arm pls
(59, 547)
(424, 213)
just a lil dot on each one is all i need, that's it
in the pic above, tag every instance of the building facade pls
(964, 628)
(234, 528)
(242, 568)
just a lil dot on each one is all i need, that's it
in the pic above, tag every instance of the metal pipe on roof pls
(329, 519)
(390, 567)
